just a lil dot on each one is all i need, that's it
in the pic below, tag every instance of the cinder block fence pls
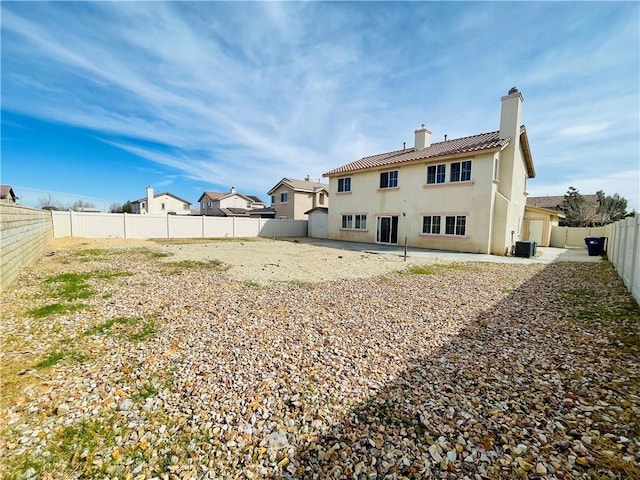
(24, 235)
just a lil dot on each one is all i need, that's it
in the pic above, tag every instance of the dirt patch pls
(260, 260)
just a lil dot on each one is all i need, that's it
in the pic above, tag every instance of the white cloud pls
(223, 92)
(584, 129)
(625, 183)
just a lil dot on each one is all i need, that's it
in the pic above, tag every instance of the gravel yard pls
(139, 360)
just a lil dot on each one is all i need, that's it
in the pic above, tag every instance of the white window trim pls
(443, 224)
(396, 186)
(341, 192)
(447, 175)
(353, 216)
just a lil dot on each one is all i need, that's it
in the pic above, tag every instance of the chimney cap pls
(513, 90)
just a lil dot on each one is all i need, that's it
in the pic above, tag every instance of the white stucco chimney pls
(423, 138)
(510, 115)
(149, 197)
(308, 178)
(233, 190)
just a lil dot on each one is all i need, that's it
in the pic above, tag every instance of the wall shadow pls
(533, 387)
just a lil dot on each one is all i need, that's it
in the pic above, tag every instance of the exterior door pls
(387, 231)
(536, 227)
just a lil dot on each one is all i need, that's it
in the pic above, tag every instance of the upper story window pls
(321, 199)
(284, 197)
(436, 173)
(389, 179)
(273, 199)
(460, 171)
(344, 184)
(162, 207)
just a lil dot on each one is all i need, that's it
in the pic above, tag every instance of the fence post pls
(124, 224)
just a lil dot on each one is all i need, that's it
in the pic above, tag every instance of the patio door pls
(387, 230)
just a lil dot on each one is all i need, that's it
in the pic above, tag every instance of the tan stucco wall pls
(415, 199)
(24, 235)
(297, 204)
(171, 204)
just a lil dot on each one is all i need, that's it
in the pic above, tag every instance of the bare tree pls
(80, 205)
(50, 203)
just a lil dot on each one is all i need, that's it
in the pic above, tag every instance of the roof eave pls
(526, 149)
(435, 158)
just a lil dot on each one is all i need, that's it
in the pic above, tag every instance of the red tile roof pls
(474, 143)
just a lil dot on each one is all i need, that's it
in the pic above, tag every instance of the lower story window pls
(455, 225)
(354, 222)
(431, 224)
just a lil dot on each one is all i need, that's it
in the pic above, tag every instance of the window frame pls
(284, 197)
(344, 184)
(390, 179)
(354, 221)
(439, 174)
(434, 227)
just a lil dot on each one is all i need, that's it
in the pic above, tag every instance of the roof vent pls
(513, 90)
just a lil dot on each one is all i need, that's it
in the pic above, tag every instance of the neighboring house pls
(7, 194)
(538, 223)
(229, 204)
(292, 198)
(466, 194)
(161, 203)
(554, 202)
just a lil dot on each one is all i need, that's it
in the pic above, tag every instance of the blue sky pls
(101, 99)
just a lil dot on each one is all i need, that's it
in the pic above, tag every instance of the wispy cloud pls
(222, 92)
(583, 129)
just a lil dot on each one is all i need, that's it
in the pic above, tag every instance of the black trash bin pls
(525, 249)
(594, 245)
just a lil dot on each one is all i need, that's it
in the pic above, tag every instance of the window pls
(359, 224)
(389, 179)
(284, 197)
(322, 199)
(344, 184)
(466, 171)
(185, 207)
(455, 225)
(496, 168)
(460, 171)
(431, 224)
(162, 207)
(436, 173)
(273, 199)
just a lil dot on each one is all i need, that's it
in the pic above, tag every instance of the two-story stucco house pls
(229, 204)
(292, 198)
(466, 194)
(161, 204)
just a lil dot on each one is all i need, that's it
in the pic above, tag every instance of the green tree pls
(127, 207)
(611, 208)
(578, 213)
